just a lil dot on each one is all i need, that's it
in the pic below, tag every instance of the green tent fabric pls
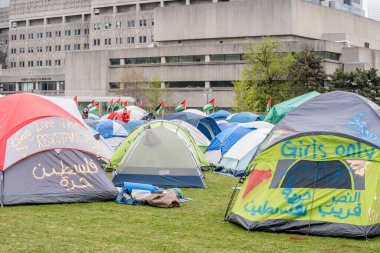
(282, 109)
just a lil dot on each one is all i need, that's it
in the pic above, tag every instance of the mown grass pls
(194, 227)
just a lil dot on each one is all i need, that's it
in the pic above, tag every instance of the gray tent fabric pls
(161, 157)
(48, 133)
(56, 176)
(351, 115)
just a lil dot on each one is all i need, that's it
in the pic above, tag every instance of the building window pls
(22, 50)
(48, 48)
(142, 39)
(77, 32)
(185, 58)
(143, 60)
(13, 37)
(48, 34)
(57, 62)
(40, 35)
(49, 86)
(114, 86)
(76, 46)
(131, 23)
(13, 64)
(142, 22)
(107, 41)
(115, 61)
(96, 42)
(152, 22)
(13, 50)
(67, 47)
(119, 41)
(22, 36)
(131, 40)
(57, 33)
(86, 46)
(8, 86)
(107, 25)
(223, 84)
(118, 24)
(97, 26)
(30, 50)
(30, 63)
(30, 36)
(194, 84)
(86, 31)
(21, 64)
(39, 49)
(39, 63)
(67, 33)
(48, 63)
(57, 47)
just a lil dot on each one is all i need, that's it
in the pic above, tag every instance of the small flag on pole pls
(159, 108)
(94, 109)
(181, 107)
(209, 106)
(93, 103)
(125, 104)
(76, 100)
(269, 105)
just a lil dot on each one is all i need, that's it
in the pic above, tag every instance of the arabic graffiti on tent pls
(342, 212)
(71, 177)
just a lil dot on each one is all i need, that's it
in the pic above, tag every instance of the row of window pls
(57, 34)
(119, 40)
(31, 86)
(38, 63)
(56, 48)
(187, 84)
(119, 24)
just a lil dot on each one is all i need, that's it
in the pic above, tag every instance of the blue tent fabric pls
(106, 128)
(133, 124)
(204, 124)
(244, 117)
(226, 139)
(219, 115)
(225, 125)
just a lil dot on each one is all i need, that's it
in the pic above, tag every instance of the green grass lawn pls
(194, 227)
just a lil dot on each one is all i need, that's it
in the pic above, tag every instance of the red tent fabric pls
(18, 110)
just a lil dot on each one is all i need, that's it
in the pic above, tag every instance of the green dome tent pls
(318, 171)
(280, 110)
(162, 154)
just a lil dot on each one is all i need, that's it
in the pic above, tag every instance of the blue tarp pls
(226, 139)
(244, 117)
(204, 124)
(219, 115)
(109, 128)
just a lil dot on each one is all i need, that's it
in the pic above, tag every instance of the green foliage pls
(362, 82)
(307, 73)
(194, 227)
(154, 95)
(265, 76)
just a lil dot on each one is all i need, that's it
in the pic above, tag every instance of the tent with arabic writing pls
(48, 155)
(162, 154)
(317, 172)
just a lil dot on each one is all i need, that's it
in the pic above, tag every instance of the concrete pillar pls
(63, 19)
(122, 61)
(207, 58)
(163, 59)
(214, 1)
(163, 85)
(138, 7)
(162, 4)
(28, 22)
(57, 84)
(187, 2)
(207, 85)
(45, 21)
(17, 87)
(114, 9)
(83, 17)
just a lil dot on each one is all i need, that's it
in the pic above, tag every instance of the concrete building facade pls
(374, 9)
(194, 47)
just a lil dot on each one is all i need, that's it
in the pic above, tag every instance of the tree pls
(362, 82)
(266, 75)
(307, 73)
(133, 80)
(154, 95)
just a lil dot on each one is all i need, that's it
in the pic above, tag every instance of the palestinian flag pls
(92, 104)
(111, 105)
(269, 105)
(125, 104)
(76, 100)
(117, 104)
(181, 107)
(94, 109)
(160, 108)
(209, 106)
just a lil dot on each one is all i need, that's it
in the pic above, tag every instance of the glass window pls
(155, 59)
(115, 61)
(114, 85)
(195, 84)
(217, 57)
(171, 59)
(221, 84)
(49, 86)
(232, 57)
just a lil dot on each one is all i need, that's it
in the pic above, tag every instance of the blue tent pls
(110, 128)
(244, 117)
(204, 124)
(226, 139)
(219, 115)
(133, 124)
(225, 125)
